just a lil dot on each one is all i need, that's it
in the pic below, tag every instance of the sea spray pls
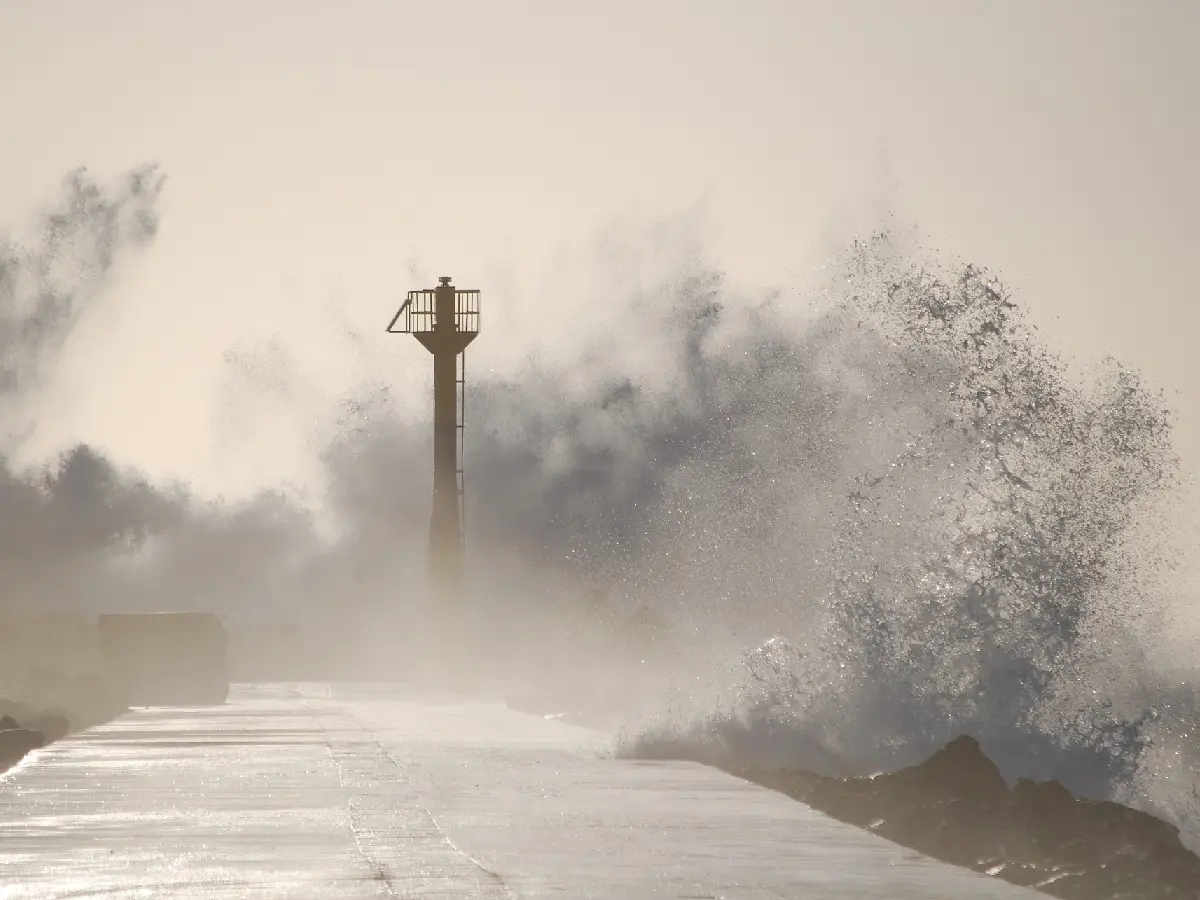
(982, 575)
(948, 529)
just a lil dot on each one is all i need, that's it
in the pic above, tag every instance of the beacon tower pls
(445, 320)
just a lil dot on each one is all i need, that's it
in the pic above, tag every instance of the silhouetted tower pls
(445, 319)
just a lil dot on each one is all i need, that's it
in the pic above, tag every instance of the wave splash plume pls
(987, 543)
(872, 525)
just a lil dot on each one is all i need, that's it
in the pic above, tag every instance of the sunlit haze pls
(323, 158)
(832, 411)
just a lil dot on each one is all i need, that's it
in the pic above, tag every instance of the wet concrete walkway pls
(358, 791)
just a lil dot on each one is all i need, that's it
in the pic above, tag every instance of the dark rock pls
(13, 710)
(15, 743)
(64, 704)
(52, 727)
(88, 700)
(948, 806)
(1110, 849)
(957, 808)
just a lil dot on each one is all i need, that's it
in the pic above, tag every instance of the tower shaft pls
(446, 551)
(447, 554)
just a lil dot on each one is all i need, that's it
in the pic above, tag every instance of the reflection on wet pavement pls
(292, 791)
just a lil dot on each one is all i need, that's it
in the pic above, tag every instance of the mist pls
(944, 527)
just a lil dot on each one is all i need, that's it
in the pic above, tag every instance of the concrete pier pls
(362, 791)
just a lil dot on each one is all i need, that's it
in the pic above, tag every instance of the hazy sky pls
(316, 149)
